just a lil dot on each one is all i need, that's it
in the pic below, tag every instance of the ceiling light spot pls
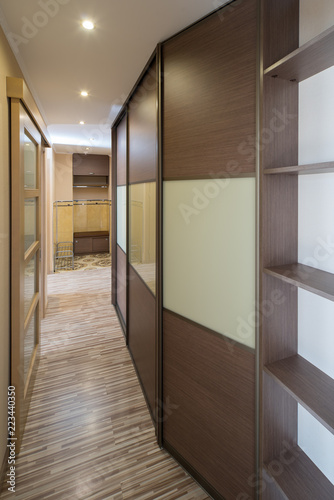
(88, 25)
(87, 149)
(84, 93)
(82, 123)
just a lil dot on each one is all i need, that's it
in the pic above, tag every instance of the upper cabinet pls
(90, 164)
(91, 170)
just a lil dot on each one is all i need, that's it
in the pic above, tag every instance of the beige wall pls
(63, 177)
(8, 67)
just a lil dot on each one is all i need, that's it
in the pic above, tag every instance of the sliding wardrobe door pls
(120, 221)
(25, 268)
(142, 134)
(209, 249)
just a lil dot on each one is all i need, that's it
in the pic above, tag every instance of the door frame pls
(24, 115)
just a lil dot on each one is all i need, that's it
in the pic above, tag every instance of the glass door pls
(26, 247)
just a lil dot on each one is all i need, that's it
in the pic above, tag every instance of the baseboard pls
(192, 471)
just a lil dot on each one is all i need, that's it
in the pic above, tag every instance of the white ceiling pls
(59, 58)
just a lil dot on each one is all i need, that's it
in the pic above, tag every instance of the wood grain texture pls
(209, 96)
(89, 434)
(121, 155)
(280, 29)
(302, 479)
(142, 336)
(143, 129)
(270, 490)
(279, 321)
(121, 282)
(279, 422)
(279, 220)
(311, 168)
(306, 277)
(90, 164)
(209, 393)
(312, 58)
(311, 387)
(279, 133)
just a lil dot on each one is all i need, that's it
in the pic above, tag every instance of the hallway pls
(89, 434)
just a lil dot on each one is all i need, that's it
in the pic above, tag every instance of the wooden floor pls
(89, 434)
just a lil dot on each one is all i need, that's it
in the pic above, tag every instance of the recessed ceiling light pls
(88, 25)
(82, 123)
(84, 93)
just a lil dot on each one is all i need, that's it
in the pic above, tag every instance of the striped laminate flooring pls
(89, 434)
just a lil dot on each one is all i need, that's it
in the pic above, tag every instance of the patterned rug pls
(86, 262)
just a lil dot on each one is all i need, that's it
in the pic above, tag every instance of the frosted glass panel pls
(30, 163)
(209, 254)
(143, 231)
(317, 442)
(30, 219)
(121, 217)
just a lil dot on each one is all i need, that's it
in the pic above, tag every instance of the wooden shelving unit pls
(306, 277)
(301, 479)
(312, 168)
(311, 387)
(287, 378)
(306, 61)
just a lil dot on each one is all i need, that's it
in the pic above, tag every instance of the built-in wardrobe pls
(205, 169)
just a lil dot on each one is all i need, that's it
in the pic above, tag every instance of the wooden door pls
(25, 265)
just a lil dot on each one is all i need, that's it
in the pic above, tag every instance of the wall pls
(8, 67)
(316, 228)
(63, 177)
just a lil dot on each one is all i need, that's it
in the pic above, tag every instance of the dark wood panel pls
(142, 337)
(143, 129)
(90, 164)
(279, 424)
(100, 244)
(209, 96)
(280, 123)
(121, 281)
(279, 320)
(269, 489)
(306, 277)
(312, 58)
(298, 477)
(279, 220)
(121, 152)
(310, 168)
(209, 402)
(82, 245)
(311, 387)
(280, 29)
(86, 234)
